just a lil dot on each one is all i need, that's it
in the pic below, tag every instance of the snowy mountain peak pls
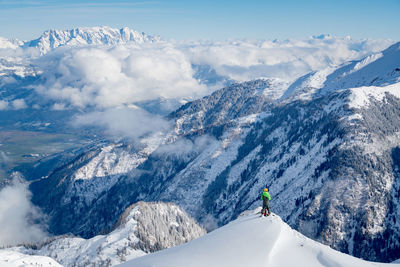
(88, 36)
(252, 240)
(9, 43)
(377, 69)
(159, 225)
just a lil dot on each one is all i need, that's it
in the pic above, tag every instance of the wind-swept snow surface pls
(251, 241)
(9, 258)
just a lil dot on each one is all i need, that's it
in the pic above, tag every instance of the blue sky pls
(205, 19)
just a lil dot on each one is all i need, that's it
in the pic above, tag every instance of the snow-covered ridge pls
(112, 160)
(228, 103)
(11, 258)
(88, 36)
(361, 64)
(379, 69)
(361, 97)
(142, 229)
(251, 240)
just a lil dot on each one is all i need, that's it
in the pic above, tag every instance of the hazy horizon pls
(188, 20)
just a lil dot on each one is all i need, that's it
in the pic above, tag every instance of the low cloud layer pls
(245, 59)
(110, 77)
(106, 77)
(19, 219)
(3, 105)
(123, 122)
(186, 146)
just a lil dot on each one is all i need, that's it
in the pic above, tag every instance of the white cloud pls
(56, 106)
(111, 77)
(7, 80)
(105, 77)
(19, 104)
(123, 122)
(4, 158)
(3, 105)
(15, 104)
(18, 215)
(185, 146)
(245, 60)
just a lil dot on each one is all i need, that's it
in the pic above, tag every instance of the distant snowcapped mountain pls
(20, 63)
(88, 36)
(143, 228)
(378, 69)
(7, 43)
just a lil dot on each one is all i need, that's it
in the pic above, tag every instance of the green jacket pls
(265, 194)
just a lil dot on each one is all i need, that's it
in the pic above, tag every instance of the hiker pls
(265, 198)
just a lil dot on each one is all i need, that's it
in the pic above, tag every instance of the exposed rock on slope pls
(143, 228)
(229, 103)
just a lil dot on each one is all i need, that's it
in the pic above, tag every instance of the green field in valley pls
(27, 147)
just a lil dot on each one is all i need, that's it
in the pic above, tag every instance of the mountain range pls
(327, 147)
(82, 36)
(325, 144)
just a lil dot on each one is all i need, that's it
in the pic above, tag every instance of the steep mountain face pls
(143, 228)
(91, 173)
(328, 151)
(88, 36)
(235, 101)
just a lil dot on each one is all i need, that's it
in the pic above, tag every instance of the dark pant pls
(265, 206)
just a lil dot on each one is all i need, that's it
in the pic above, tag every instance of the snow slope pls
(251, 241)
(10, 258)
(142, 229)
(379, 69)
